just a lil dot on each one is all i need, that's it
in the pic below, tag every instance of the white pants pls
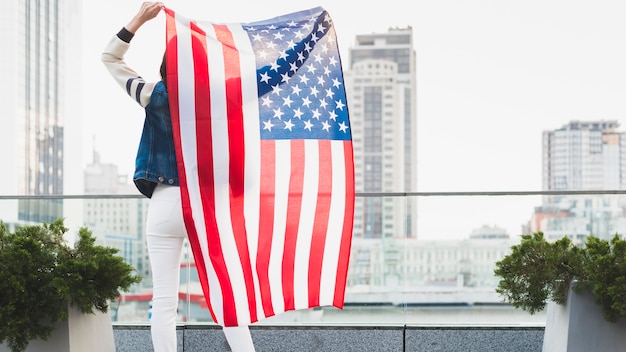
(165, 233)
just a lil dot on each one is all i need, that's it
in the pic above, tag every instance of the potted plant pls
(585, 285)
(42, 278)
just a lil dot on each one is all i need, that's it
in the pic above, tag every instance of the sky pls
(491, 77)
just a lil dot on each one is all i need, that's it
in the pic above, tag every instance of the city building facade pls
(414, 270)
(117, 222)
(38, 98)
(583, 156)
(382, 100)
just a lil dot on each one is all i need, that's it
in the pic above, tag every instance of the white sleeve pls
(129, 80)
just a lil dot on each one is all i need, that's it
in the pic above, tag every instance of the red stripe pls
(236, 147)
(205, 164)
(294, 204)
(320, 227)
(266, 222)
(172, 88)
(348, 220)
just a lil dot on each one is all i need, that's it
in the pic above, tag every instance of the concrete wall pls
(388, 338)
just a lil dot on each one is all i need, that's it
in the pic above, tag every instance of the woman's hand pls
(148, 11)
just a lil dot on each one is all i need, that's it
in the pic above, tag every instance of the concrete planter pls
(579, 326)
(79, 333)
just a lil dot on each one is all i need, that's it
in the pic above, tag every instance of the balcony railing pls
(417, 257)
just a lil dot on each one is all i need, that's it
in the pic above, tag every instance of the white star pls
(270, 45)
(331, 39)
(326, 71)
(340, 104)
(314, 91)
(333, 116)
(299, 34)
(278, 114)
(265, 78)
(266, 101)
(274, 66)
(283, 55)
(316, 114)
(336, 82)
(301, 57)
(291, 44)
(321, 28)
(325, 126)
(307, 47)
(257, 37)
(293, 67)
(262, 54)
(329, 93)
(298, 113)
(285, 77)
(296, 89)
(268, 125)
(287, 101)
(323, 103)
(318, 58)
(343, 127)
(304, 79)
(308, 125)
(332, 61)
(314, 37)
(289, 125)
(306, 102)
(276, 89)
(321, 80)
(278, 36)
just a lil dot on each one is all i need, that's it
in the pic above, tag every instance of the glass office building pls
(40, 73)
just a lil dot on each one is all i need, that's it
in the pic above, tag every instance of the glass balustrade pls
(416, 258)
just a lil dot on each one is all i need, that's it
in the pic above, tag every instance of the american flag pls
(265, 159)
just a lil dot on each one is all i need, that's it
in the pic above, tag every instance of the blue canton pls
(300, 80)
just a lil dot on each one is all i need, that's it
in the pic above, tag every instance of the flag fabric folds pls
(265, 160)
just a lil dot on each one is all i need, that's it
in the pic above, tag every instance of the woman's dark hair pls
(163, 71)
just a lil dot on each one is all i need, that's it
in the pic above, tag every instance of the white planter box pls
(579, 326)
(80, 333)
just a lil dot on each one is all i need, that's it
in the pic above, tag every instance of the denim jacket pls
(156, 156)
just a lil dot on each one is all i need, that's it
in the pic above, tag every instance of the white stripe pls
(282, 179)
(305, 227)
(221, 156)
(188, 140)
(335, 224)
(253, 151)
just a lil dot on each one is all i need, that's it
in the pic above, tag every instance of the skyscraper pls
(382, 100)
(38, 97)
(583, 156)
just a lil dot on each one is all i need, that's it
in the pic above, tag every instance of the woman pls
(156, 177)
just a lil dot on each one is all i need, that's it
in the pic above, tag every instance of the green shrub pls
(41, 275)
(537, 271)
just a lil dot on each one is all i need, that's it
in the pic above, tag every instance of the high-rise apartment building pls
(382, 100)
(39, 95)
(583, 156)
